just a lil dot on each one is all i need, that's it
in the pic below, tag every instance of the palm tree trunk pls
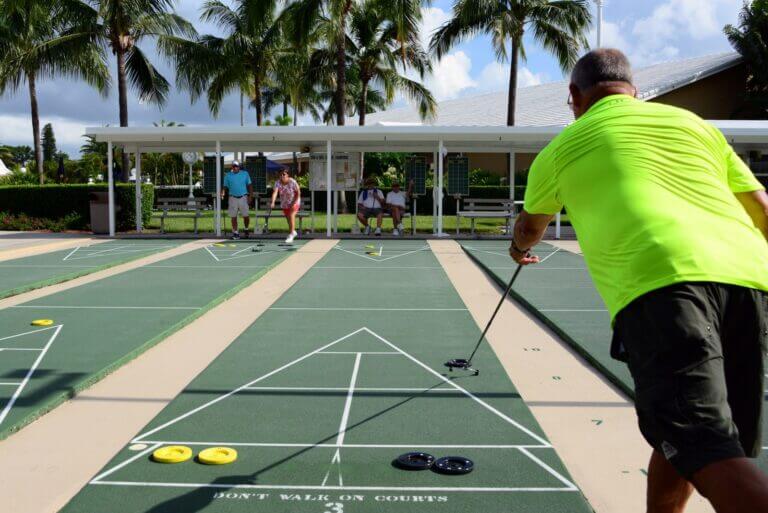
(257, 101)
(122, 89)
(363, 103)
(36, 126)
(295, 158)
(341, 65)
(512, 96)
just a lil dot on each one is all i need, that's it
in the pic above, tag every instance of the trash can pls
(99, 202)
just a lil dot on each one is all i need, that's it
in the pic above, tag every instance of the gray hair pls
(601, 65)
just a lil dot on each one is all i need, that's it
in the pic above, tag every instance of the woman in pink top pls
(290, 201)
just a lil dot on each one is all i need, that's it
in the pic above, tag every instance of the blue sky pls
(649, 31)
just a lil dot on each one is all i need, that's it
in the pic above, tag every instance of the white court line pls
(358, 352)
(346, 446)
(467, 392)
(11, 383)
(250, 383)
(70, 254)
(549, 469)
(546, 257)
(574, 310)
(348, 403)
(334, 488)
(63, 307)
(388, 268)
(425, 248)
(371, 309)
(29, 332)
(208, 249)
(102, 251)
(126, 462)
(21, 348)
(28, 376)
(36, 266)
(335, 460)
(359, 389)
(218, 267)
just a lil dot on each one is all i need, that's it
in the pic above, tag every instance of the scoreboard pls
(458, 176)
(416, 170)
(209, 174)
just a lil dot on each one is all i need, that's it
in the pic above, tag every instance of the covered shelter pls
(745, 136)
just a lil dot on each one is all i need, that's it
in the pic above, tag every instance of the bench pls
(475, 208)
(180, 208)
(264, 212)
(406, 215)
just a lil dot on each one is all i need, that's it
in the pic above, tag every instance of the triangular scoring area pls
(20, 356)
(379, 253)
(396, 399)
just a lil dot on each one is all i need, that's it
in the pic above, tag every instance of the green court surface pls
(101, 325)
(560, 292)
(339, 377)
(33, 272)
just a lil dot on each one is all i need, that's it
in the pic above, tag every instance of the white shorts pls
(238, 205)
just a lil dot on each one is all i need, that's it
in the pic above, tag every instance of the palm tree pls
(376, 50)
(39, 40)
(239, 62)
(750, 39)
(304, 16)
(122, 25)
(558, 25)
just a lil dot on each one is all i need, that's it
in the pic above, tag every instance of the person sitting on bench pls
(396, 205)
(370, 203)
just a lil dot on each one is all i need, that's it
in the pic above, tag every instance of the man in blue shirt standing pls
(238, 185)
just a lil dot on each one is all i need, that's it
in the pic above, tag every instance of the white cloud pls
(451, 76)
(495, 77)
(431, 19)
(18, 130)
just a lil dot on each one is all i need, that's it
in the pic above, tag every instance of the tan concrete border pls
(100, 275)
(39, 249)
(566, 245)
(46, 463)
(592, 427)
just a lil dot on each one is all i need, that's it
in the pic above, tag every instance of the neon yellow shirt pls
(650, 190)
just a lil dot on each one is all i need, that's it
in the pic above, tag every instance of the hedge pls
(57, 201)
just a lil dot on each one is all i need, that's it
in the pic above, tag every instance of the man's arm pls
(250, 193)
(756, 205)
(529, 230)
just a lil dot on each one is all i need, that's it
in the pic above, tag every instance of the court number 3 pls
(334, 507)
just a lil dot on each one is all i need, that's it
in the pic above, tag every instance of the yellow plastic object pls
(220, 245)
(42, 322)
(370, 246)
(217, 456)
(373, 253)
(172, 454)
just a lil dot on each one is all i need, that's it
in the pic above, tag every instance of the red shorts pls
(291, 210)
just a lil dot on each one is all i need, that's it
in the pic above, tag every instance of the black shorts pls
(696, 352)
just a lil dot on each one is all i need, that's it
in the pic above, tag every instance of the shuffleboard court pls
(101, 325)
(560, 292)
(319, 396)
(33, 272)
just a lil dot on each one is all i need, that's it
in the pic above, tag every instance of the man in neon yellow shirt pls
(669, 219)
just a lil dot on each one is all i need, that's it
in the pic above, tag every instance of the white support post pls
(440, 150)
(434, 192)
(329, 185)
(557, 226)
(336, 196)
(599, 23)
(139, 221)
(218, 189)
(512, 176)
(111, 188)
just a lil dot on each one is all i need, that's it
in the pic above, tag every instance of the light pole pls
(190, 158)
(600, 4)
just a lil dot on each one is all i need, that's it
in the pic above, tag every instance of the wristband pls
(518, 250)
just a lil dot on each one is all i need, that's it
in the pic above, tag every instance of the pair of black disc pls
(258, 248)
(452, 465)
(461, 363)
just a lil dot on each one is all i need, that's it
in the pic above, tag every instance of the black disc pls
(454, 465)
(256, 250)
(414, 461)
(458, 363)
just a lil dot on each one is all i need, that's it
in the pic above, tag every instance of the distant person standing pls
(396, 200)
(290, 201)
(672, 224)
(370, 203)
(237, 184)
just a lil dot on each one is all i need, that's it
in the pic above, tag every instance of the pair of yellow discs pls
(181, 453)
(42, 322)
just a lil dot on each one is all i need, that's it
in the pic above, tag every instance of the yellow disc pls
(217, 456)
(220, 245)
(42, 322)
(172, 454)
(233, 245)
(370, 246)
(373, 253)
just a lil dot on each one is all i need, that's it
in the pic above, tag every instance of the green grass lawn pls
(423, 224)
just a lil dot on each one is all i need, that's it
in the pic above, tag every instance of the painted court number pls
(334, 507)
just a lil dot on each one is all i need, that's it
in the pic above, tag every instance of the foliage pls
(378, 163)
(22, 222)
(750, 39)
(558, 26)
(55, 202)
(18, 154)
(49, 143)
(18, 178)
(483, 177)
